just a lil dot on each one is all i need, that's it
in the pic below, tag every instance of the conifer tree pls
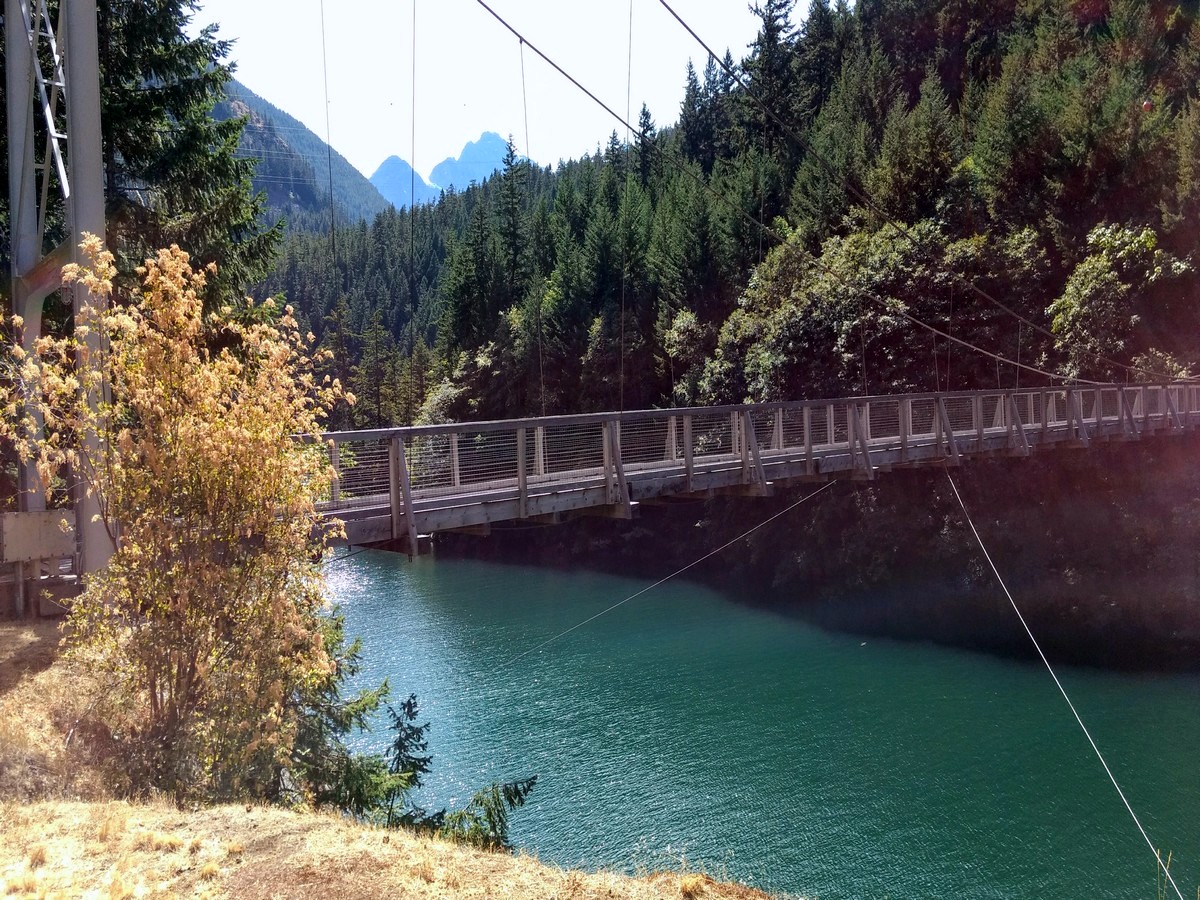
(647, 157)
(510, 213)
(172, 172)
(770, 73)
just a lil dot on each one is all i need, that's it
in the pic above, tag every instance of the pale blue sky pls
(469, 68)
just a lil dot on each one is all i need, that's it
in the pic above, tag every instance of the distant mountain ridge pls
(395, 179)
(478, 160)
(294, 166)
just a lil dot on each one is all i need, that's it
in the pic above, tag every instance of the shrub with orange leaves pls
(205, 625)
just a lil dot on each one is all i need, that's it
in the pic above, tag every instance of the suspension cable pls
(524, 98)
(677, 572)
(412, 233)
(966, 515)
(328, 141)
(529, 158)
(749, 217)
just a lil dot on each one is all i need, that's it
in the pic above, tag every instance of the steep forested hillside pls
(918, 157)
(294, 166)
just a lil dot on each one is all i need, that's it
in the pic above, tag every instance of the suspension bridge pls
(397, 485)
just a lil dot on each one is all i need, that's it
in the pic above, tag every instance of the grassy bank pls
(62, 835)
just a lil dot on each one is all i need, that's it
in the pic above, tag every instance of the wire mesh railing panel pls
(838, 427)
(1189, 399)
(574, 448)
(1156, 402)
(763, 423)
(961, 413)
(1026, 408)
(430, 462)
(793, 427)
(1039, 401)
(364, 472)
(644, 441)
(712, 434)
(1056, 408)
(1110, 403)
(822, 434)
(882, 419)
(487, 458)
(1092, 403)
(991, 407)
(924, 417)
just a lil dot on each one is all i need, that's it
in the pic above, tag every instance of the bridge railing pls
(404, 467)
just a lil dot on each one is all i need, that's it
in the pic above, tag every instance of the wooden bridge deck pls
(399, 483)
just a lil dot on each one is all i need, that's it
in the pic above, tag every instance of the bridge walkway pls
(397, 484)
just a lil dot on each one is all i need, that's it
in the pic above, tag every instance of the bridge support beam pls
(1172, 409)
(1016, 429)
(752, 467)
(614, 467)
(1075, 422)
(1129, 425)
(401, 495)
(944, 433)
(859, 435)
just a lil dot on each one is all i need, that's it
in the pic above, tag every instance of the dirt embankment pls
(62, 836)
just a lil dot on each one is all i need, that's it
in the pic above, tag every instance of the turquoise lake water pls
(685, 729)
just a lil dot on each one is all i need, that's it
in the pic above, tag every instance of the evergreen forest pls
(1021, 175)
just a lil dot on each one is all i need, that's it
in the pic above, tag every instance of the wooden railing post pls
(687, 451)
(1129, 425)
(808, 440)
(335, 462)
(750, 439)
(1172, 411)
(739, 424)
(905, 418)
(455, 478)
(609, 476)
(672, 440)
(1014, 415)
(539, 450)
(946, 429)
(522, 479)
(977, 420)
(857, 430)
(401, 495)
(1075, 421)
(620, 496)
(777, 431)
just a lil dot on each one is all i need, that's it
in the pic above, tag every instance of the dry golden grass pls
(42, 701)
(37, 856)
(54, 844)
(168, 852)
